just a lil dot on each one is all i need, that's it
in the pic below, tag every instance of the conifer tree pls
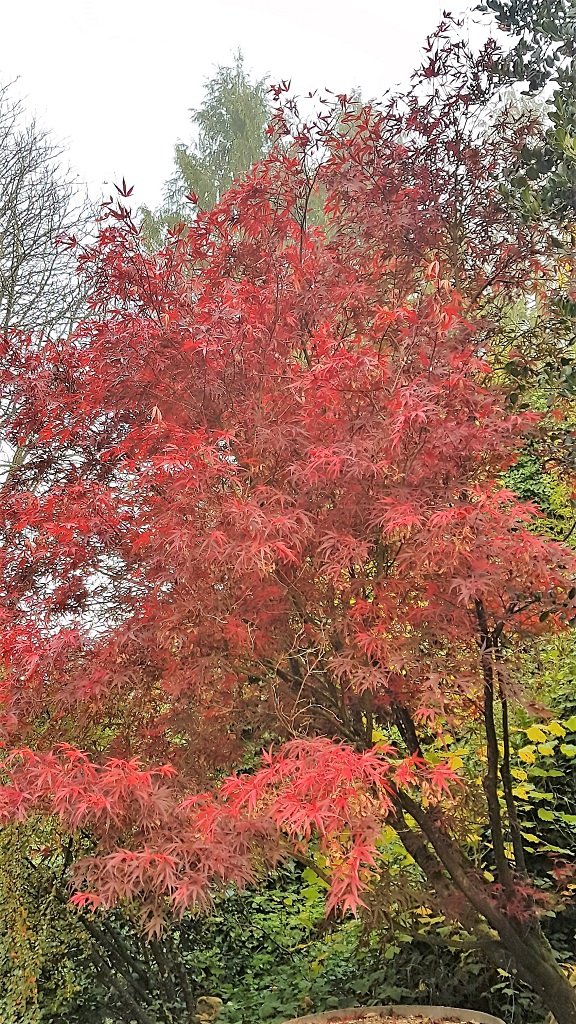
(230, 136)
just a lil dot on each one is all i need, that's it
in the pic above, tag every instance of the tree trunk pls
(528, 950)
(545, 977)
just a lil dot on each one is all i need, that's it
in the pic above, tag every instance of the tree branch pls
(506, 777)
(490, 781)
(137, 1011)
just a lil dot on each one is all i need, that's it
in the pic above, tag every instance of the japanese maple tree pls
(258, 493)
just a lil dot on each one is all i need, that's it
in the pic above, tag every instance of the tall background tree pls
(230, 137)
(541, 64)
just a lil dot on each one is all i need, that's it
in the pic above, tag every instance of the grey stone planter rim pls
(433, 1012)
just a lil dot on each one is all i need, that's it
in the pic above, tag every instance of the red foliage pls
(259, 493)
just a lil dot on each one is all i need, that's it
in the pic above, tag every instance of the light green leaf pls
(545, 815)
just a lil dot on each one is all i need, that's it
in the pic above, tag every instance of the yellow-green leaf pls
(546, 749)
(531, 838)
(556, 729)
(527, 754)
(521, 792)
(536, 734)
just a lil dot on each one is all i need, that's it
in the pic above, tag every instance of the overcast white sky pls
(115, 78)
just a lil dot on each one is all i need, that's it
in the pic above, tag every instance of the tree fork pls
(124, 995)
(530, 952)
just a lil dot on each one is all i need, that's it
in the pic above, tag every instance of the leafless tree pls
(40, 293)
(40, 200)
